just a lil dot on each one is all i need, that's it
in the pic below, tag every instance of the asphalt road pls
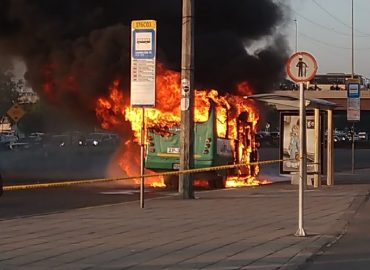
(14, 204)
(56, 163)
(36, 166)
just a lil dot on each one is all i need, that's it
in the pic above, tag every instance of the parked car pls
(37, 136)
(16, 146)
(101, 138)
(8, 137)
(59, 140)
(269, 138)
(1, 185)
(363, 136)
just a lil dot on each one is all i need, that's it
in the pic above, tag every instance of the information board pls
(290, 142)
(143, 63)
(353, 101)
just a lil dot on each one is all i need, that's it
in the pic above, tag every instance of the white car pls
(8, 138)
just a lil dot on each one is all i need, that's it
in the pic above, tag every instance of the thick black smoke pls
(74, 49)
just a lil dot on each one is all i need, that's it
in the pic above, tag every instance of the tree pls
(9, 91)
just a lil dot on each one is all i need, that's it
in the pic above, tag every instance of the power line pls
(329, 29)
(364, 34)
(320, 25)
(323, 42)
(330, 44)
(326, 28)
(331, 15)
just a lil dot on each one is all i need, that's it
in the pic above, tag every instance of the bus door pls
(244, 141)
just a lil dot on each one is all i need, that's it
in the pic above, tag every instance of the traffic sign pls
(16, 112)
(301, 67)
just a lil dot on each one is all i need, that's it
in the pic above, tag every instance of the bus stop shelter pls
(291, 103)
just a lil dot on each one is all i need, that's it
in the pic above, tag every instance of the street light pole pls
(296, 35)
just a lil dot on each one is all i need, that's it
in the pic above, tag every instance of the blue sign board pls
(353, 90)
(143, 45)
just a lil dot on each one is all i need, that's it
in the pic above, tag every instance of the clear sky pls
(324, 30)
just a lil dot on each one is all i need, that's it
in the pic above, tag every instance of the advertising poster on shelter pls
(291, 142)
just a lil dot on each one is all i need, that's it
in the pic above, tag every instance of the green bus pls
(214, 145)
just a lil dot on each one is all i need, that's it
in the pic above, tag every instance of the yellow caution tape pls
(99, 180)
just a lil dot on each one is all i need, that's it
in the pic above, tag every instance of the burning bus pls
(224, 132)
(223, 135)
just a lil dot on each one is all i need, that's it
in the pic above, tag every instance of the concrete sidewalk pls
(245, 228)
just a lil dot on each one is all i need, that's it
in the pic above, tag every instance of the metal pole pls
(296, 35)
(187, 100)
(353, 75)
(353, 147)
(330, 150)
(353, 46)
(142, 158)
(302, 159)
(317, 176)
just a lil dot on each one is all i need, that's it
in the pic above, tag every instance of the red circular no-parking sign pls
(301, 67)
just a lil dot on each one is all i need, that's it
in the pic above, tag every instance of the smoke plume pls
(74, 49)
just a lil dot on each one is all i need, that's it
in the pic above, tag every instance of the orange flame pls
(237, 181)
(115, 110)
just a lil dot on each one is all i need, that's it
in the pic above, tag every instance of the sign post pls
(301, 67)
(143, 73)
(353, 110)
(353, 100)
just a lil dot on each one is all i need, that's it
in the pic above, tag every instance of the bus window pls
(221, 123)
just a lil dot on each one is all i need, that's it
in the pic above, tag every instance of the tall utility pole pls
(187, 100)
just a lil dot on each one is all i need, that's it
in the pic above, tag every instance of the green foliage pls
(34, 119)
(9, 91)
